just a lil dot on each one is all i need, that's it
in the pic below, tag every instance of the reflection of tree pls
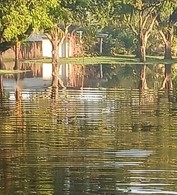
(54, 93)
(19, 112)
(80, 156)
(5, 154)
(82, 76)
(55, 75)
(143, 111)
(143, 82)
(167, 83)
(147, 97)
(11, 126)
(120, 76)
(1, 86)
(17, 52)
(165, 124)
(2, 67)
(56, 80)
(174, 76)
(32, 70)
(74, 76)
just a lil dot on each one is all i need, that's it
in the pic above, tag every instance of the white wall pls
(47, 49)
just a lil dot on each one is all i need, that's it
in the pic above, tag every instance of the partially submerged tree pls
(14, 23)
(56, 33)
(62, 16)
(140, 16)
(165, 22)
(18, 18)
(167, 82)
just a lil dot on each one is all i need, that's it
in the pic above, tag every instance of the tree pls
(140, 16)
(19, 18)
(56, 34)
(165, 22)
(98, 17)
(14, 22)
(64, 15)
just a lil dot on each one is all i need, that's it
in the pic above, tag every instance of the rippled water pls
(90, 141)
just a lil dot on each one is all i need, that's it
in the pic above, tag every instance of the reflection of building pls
(70, 74)
(39, 75)
(47, 71)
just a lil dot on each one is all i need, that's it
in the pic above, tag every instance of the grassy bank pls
(2, 72)
(121, 59)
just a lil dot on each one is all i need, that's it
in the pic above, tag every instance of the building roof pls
(36, 37)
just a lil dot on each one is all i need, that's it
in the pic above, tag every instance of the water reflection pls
(87, 141)
(157, 76)
(167, 83)
(1, 86)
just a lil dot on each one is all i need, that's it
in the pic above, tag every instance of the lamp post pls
(101, 36)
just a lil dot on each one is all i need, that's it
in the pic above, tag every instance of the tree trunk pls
(167, 39)
(167, 83)
(1, 61)
(1, 86)
(167, 54)
(55, 65)
(142, 53)
(1, 76)
(142, 41)
(168, 44)
(56, 37)
(17, 52)
(2, 65)
(18, 89)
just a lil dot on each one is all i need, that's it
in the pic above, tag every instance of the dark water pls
(92, 141)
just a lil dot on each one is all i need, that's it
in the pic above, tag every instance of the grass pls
(120, 59)
(2, 72)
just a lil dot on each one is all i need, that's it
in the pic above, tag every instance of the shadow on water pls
(98, 136)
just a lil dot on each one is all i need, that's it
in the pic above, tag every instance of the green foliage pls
(90, 39)
(165, 13)
(20, 17)
(61, 17)
(100, 12)
(15, 21)
(118, 41)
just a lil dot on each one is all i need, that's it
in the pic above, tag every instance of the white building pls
(66, 49)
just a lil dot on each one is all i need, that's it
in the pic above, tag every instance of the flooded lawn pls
(96, 140)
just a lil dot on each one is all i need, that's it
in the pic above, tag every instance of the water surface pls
(88, 141)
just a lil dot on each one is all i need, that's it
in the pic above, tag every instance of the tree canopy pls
(19, 18)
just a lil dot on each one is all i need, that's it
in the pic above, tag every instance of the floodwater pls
(102, 140)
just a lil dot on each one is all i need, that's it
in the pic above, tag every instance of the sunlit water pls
(88, 141)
